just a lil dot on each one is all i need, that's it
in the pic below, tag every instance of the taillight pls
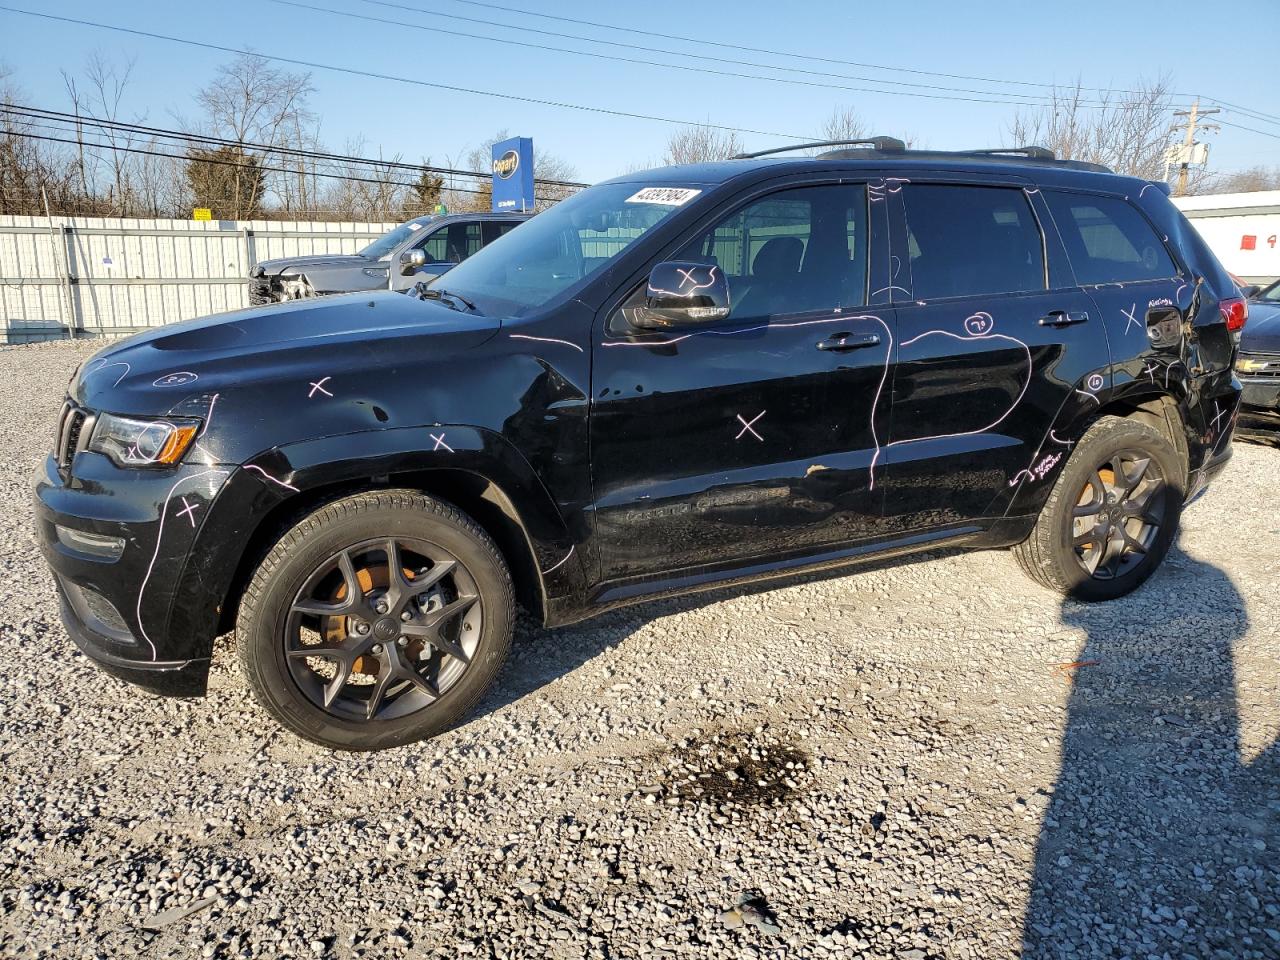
(1235, 312)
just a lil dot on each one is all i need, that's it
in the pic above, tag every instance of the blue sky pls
(1106, 44)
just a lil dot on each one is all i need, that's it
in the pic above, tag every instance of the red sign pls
(1248, 242)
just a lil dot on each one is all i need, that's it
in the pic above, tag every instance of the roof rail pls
(1030, 152)
(883, 144)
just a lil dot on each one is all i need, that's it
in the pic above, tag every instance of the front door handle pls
(841, 342)
(1063, 318)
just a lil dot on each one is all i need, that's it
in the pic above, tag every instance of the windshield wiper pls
(425, 292)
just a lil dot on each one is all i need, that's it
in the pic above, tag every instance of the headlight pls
(134, 442)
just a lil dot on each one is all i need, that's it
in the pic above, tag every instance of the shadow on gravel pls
(1161, 839)
(540, 656)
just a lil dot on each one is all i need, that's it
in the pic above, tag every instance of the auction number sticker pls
(666, 196)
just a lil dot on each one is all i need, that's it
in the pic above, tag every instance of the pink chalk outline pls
(287, 486)
(962, 433)
(106, 366)
(525, 336)
(560, 564)
(164, 513)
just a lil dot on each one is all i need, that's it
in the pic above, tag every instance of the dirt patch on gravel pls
(743, 768)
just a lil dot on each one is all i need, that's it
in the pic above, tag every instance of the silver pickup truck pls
(418, 249)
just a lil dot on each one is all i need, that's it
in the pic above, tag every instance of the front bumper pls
(170, 678)
(148, 611)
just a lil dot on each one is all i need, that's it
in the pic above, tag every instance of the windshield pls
(562, 246)
(1271, 294)
(383, 246)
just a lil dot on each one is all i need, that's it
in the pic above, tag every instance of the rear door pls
(752, 438)
(994, 341)
(1125, 266)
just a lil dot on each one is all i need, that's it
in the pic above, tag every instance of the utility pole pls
(1193, 124)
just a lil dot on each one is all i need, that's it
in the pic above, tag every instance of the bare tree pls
(1127, 131)
(1243, 181)
(251, 101)
(701, 144)
(844, 124)
(32, 172)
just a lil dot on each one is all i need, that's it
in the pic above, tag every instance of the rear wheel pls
(1112, 514)
(378, 620)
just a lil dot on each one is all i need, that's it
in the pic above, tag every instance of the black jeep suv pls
(670, 381)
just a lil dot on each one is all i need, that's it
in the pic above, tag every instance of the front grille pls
(1269, 369)
(75, 427)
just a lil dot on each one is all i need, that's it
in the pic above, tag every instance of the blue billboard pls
(513, 175)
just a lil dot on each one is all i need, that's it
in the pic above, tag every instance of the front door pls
(995, 340)
(751, 438)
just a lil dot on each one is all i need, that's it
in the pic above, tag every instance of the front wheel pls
(378, 620)
(1111, 516)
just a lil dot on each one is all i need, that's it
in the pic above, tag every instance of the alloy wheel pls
(1118, 514)
(383, 629)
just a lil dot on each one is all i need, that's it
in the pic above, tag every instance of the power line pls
(1240, 126)
(411, 81)
(231, 163)
(704, 42)
(1040, 99)
(285, 150)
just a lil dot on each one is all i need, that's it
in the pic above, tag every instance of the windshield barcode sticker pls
(666, 196)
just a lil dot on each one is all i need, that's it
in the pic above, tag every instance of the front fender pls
(301, 472)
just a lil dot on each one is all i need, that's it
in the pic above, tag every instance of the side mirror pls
(681, 293)
(1249, 291)
(411, 260)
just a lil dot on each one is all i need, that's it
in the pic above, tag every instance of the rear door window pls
(1108, 240)
(966, 241)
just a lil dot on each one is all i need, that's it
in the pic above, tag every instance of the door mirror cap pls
(683, 293)
(411, 260)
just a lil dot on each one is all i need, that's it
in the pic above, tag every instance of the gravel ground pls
(926, 759)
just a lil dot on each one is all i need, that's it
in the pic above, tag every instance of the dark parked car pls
(671, 381)
(417, 250)
(1259, 361)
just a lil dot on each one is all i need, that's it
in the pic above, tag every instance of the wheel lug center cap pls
(387, 628)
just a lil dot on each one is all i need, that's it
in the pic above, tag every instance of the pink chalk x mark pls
(440, 442)
(319, 385)
(188, 510)
(748, 426)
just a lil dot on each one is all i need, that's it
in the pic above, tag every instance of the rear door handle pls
(1063, 318)
(841, 342)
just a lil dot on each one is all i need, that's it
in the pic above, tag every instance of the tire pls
(1059, 551)
(350, 656)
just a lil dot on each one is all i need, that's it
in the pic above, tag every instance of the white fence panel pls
(95, 275)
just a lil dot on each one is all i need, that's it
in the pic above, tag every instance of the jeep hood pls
(359, 333)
